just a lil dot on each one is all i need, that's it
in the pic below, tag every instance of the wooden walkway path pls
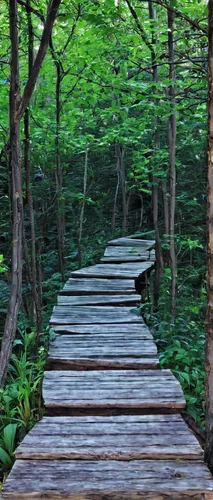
(113, 428)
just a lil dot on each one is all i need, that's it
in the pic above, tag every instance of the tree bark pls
(209, 346)
(172, 147)
(17, 203)
(59, 177)
(165, 207)
(81, 220)
(36, 307)
(29, 87)
(119, 153)
(158, 251)
(17, 109)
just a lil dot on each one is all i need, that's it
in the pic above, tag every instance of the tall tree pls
(172, 158)
(18, 106)
(209, 347)
(155, 199)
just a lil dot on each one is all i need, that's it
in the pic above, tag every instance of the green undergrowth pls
(20, 400)
(181, 341)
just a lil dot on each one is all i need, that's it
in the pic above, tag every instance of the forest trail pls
(113, 428)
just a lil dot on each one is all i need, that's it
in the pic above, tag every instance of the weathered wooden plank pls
(76, 352)
(127, 254)
(104, 329)
(110, 438)
(117, 251)
(126, 258)
(94, 314)
(109, 480)
(117, 389)
(105, 300)
(93, 286)
(130, 242)
(121, 271)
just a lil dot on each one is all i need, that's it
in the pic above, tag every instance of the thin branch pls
(140, 28)
(181, 15)
(34, 11)
(29, 87)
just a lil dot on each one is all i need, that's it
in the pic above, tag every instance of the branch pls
(140, 28)
(180, 14)
(29, 87)
(73, 29)
(34, 11)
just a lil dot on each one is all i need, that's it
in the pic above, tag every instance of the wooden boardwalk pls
(113, 428)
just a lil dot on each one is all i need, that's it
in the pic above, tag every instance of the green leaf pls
(9, 435)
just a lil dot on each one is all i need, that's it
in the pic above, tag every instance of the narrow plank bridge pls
(113, 428)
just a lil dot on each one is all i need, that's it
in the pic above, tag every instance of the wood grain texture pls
(129, 329)
(127, 254)
(137, 251)
(109, 480)
(76, 352)
(94, 314)
(130, 242)
(133, 389)
(93, 286)
(110, 438)
(122, 271)
(105, 300)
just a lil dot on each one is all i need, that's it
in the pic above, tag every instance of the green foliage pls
(7, 446)
(181, 342)
(107, 97)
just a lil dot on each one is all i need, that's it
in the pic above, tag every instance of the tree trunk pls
(17, 205)
(119, 153)
(209, 346)
(165, 207)
(172, 146)
(81, 220)
(158, 251)
(35, 300)
(115, 203)
(59, 178)
(18, 107)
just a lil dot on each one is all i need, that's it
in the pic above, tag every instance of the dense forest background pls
(113, 142)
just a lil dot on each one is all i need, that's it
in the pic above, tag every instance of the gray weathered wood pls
(126, 258)
(129, 329)
(105, 300)
(116, 389)
(94, 314)
(93, 286)
(127, 254)
(76, 352)
(118, 251)
(110, 438)
(109, 480)
(130, 242)
(122, 271)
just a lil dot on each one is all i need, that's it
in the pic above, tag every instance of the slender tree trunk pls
(81, 220)
(119, 153)
(158, 251)
(59, 178)
(165, 207)
(18, 107)
(115, 203)
(141, 213)
(15, 168)
(172, 146)
(209, 346)
(36, 307)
